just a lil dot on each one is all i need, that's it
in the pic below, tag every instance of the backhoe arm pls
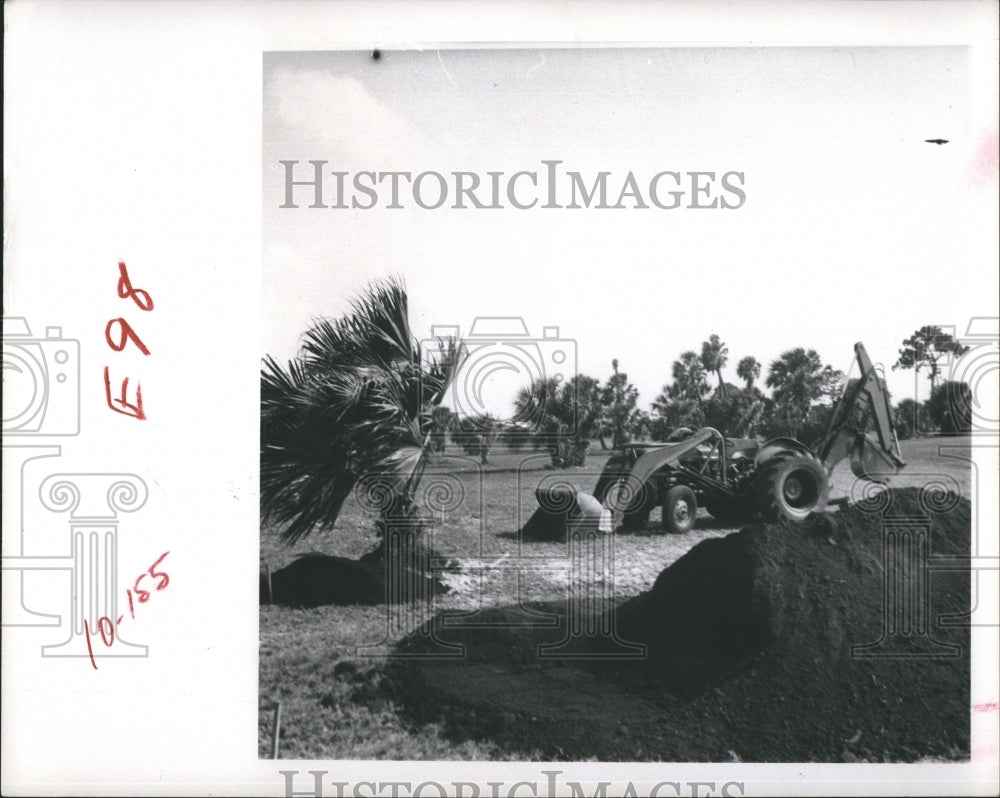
(871, 459)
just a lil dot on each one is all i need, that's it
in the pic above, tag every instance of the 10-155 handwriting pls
(106, 626)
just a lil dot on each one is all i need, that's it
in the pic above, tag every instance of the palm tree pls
(681, 402)
(715, 355)
(689, 379)
(443, 421)
(748, 369)
(353, 406)
(797, 379)
(671, 411)
(477, 434)
(563, 416)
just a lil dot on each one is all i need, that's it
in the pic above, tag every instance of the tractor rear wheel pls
(679, 509)
(791, 486)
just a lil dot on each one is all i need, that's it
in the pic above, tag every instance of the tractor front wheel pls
(679, 509)
(792, 487)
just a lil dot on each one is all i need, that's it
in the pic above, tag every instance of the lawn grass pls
(325, 665)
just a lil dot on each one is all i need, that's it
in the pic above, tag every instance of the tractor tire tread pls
(769, 500)
(685, 494)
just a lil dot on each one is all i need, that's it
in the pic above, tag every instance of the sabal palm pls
(748, 370)
(690, 383)
(715, 355)
(562, 414)
(352, 406)
(797, 380)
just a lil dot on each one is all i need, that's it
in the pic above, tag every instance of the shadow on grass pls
(749, 650)
(504, 676)
(315, 580)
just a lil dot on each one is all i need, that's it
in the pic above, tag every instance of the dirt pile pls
(561, 510)
(831, 640)
(840, 626)
(706, 612)
(379, 577)
(313, 580)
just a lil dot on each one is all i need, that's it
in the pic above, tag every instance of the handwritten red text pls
(159, 579)
(119, 334)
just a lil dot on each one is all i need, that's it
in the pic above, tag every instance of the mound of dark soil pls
(559, 510)
(828, 640)
(317, 579)
(705, 613)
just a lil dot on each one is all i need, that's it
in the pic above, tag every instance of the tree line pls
(360, 407)
(802, 390)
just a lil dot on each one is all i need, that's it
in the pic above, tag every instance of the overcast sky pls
(853, 228)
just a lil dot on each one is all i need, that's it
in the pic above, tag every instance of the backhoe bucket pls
(871, 462)
(562, 510)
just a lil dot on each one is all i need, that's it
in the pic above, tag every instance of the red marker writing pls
(106, 627)
(119, 334)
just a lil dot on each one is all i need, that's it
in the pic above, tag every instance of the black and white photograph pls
(496, 399)
(616, 404)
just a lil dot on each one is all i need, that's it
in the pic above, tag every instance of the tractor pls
(736, 478)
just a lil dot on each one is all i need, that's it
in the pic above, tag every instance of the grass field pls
(325, 665)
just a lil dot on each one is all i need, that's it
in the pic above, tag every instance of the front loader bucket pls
(564, 509)
(871, 462)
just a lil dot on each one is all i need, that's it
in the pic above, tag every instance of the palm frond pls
(351, 406)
